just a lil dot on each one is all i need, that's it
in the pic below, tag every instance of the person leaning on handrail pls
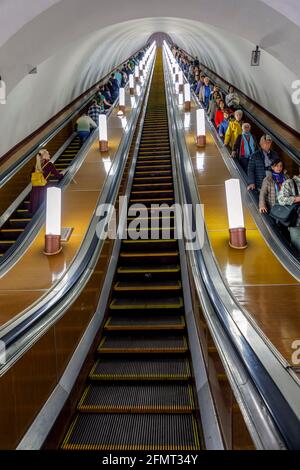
(42, 170)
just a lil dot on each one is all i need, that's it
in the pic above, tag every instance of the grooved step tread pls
(137, 398)
(170, 432)
(149, 323)
(151, 286)
(148, 269)
(131, 344)
(146, 304)
(163, 368)
(149, 255)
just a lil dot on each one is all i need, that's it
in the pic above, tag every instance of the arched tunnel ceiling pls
(73, 43)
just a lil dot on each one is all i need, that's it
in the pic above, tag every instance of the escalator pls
(140, 392)
(16, 224)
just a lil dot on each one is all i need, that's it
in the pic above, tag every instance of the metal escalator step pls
(161, 322)
(132, 254)
(150, 286)
(129, 344)
(163, 368)
(146, 304)
(137, 398)
(170, 432)
(148, 269)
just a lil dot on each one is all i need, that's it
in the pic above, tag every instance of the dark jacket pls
(256, 167)
(238, 144)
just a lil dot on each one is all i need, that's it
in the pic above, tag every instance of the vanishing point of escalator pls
(140, 393)
(21, 217)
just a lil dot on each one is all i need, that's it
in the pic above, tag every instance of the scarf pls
(247, 145)
(278, 179)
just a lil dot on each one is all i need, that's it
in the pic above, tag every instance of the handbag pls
(38, 179)
(286, 215)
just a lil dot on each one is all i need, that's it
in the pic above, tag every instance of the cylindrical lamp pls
(200, 134)
(103, 140)
(187, 97)
(237, 230)
(180, 81)
(131, 84)
(53, 222)
(180, 99)
(122, 100)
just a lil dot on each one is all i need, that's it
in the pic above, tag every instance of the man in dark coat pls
(260, 163)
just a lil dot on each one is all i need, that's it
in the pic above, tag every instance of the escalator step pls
(146, 304)
(150, 286)
(137, 398)
(163, 368)
(161, 254)
(130, 344)
(148, 269)
(161, 322)
(176, 432)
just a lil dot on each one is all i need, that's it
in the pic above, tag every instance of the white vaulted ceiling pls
(75, 42)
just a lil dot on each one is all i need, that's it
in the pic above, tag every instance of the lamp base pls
(103, 146)
(52, 245)
(201, 140)
(237, 238)
(122, 109)
(187, 106)
(176, 78)
(181, 88)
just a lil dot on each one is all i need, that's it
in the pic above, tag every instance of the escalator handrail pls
(68, 288)
(16, 166)
(284, 415)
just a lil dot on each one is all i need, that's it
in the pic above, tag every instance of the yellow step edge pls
(142, 350)
(147, 288)
(149, 270)
(170, 240)
(9, 230)
(163, 306)
(149, 255)
(155, 191)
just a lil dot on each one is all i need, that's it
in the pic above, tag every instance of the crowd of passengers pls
(263, 169)
(105, 97)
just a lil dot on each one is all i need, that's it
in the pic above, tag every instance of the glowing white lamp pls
(237, 230)
(103, 140)
(131, 84)
(180, 99)
(122, 100)
(200, 133)
(2, 92)
(53, 221)
(187, 97)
